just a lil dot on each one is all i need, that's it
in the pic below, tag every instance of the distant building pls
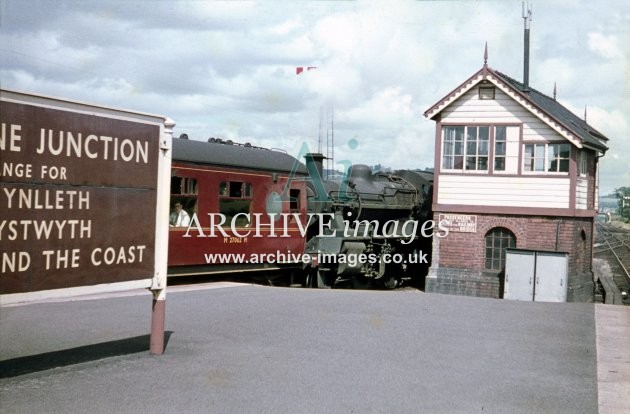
(513, 168)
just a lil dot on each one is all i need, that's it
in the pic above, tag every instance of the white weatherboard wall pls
(503, 109)
(488, 190)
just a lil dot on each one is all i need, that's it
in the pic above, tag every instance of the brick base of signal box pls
(458, 260)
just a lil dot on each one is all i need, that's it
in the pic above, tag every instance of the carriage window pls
(183, 202)
(294, 201)
(235, 189)
(235, 197)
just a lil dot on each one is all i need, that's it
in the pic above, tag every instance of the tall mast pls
(527, 18)
(330, 143)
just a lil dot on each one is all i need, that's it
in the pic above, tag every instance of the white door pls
(519, 275)
(551, 277)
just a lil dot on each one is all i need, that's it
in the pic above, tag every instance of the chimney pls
(315, 160)
(527, 18)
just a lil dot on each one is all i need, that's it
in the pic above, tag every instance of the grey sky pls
(227, 69)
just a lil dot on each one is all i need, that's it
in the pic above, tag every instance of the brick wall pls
(464, 282)
(458, 261)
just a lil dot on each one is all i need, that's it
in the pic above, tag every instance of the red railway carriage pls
(245, 205)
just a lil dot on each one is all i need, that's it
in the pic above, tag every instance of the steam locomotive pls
(370, 236)
(258, 210)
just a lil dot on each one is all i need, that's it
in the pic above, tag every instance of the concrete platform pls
(256, 349)
(613, 358)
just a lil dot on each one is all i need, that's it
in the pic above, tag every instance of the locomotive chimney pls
(315, 160)
(527, 18)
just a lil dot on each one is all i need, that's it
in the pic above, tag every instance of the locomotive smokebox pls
(315, 160)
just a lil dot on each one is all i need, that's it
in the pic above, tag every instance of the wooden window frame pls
(494, 256)
(546, 159)
(487, 93)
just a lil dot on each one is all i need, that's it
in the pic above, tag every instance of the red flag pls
(300, 69)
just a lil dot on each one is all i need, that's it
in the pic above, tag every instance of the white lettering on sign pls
(13, 138)
(18, 169)
(53, 172)
(62, 259)
(45, 229)
(122, 255)
(461, 223)
(39, 199)
(58, 209)
(15, 262)
(92, 146)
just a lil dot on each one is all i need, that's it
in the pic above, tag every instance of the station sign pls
(459, 223)
(79, 202)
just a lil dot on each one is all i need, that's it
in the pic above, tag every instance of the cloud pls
(605, 46)
(227, 69)
(614, 167)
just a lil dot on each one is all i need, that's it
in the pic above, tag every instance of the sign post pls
(83, 199)
(158, 285)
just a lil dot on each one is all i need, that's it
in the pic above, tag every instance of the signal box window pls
(558, 157)
(453, 158)
(547, 157)
(500, 146)
(466, 147)
(184, 192)
(582, 162)
(235, 197)
(497, 240)
(486, 92)
(477, 148)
